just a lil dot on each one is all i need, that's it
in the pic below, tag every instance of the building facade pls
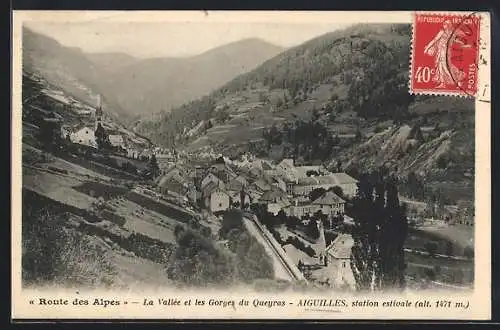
(84, 136)
(304, 186)
(337, 259)
(217, 200)
(117, 141)
(330, 204)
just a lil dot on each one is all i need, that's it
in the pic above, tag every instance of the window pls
(220, 204)
(86, 132)
(343, 264)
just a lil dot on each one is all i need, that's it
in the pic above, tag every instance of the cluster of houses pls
(295, 183)
(219, 186)
(222, 184)
(84, 134)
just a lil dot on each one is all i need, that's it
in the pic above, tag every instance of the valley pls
(249, 165)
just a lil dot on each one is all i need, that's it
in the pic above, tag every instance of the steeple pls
(99, 107)
(98, 111)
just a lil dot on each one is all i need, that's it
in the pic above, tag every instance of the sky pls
(175, 39)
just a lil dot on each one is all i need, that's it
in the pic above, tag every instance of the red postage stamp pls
(445, 50)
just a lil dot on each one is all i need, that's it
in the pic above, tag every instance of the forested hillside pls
(151, 85)
(364, 67)
(66, 68)
(341, 98)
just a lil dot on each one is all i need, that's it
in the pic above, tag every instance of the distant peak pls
(236, 47)
(254, 40)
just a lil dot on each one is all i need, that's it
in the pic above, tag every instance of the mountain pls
(153, 85)
(67, 68)
(111, 62)
(132, 86)
(341, 97)
(441, 154)
(352, 69)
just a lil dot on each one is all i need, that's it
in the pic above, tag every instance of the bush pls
(431, 248)
(458, 276)
(469, 252)
(312, 229)
(298, 244)
(232, 219)
(113, 217)
(129, 167)
(292, 222)
(378, 129)
(197, 261)
(449, 248)
(442, 162)
(53, 254)
(206, 232)
(430, 273)
(330, 237)
(310, 251)
(277, 236)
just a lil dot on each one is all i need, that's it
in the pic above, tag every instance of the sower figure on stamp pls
(445, 71)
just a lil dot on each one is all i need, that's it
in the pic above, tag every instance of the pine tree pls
(358, 136)
(101, 137)
(46, 134)
(153, 165)
(379, 233)
(242, 198)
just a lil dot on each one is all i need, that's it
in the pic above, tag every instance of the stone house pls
(337, 260)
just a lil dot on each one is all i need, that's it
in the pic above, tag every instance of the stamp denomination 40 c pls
(445, 50)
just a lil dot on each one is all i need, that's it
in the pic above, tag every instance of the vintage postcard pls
(251, 165)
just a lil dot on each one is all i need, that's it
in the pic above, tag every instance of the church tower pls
(98, 112)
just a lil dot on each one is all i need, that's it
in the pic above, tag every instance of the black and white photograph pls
(274, 157)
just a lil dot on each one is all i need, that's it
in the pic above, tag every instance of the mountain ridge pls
(134, 86)
(323, 102)
(158, 84)
(65, 67)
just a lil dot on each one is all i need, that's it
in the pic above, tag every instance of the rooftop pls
(273, 196)
(331, 179)
(210, 177)
(301, 201)
(236, 194)
(287, 162)
(343, 178)
(211, 187)
(262, 185)
(237, 183)
(168, 180)
(302, 171)
(328, 198)
(266, 166)
(307, 181)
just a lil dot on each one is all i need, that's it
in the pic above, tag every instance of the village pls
(305, 197)
(298, 212)
(311, 197)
